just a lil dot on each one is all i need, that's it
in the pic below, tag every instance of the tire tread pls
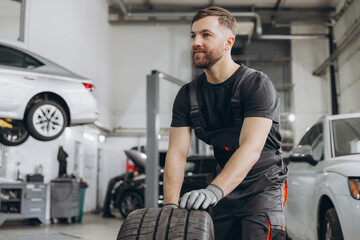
(167, 224)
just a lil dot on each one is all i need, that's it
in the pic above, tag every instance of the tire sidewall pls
(6, 142)
(124, 196)
(30, 125)
(333, 225)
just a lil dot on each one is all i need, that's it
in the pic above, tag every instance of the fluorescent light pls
(245, 28)
(88, 136)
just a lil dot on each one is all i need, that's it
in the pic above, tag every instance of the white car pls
(324, 181)
(40, 97)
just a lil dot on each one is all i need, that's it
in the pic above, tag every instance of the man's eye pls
(192, 36)
(206, 35)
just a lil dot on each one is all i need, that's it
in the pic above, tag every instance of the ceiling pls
(230, 3)
(270, 11)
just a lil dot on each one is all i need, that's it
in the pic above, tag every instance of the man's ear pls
(229, 43)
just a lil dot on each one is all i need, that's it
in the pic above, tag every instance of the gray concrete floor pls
(92, 227)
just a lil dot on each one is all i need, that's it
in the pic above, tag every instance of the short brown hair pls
(225, 18)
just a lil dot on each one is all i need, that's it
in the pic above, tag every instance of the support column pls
(152, 141)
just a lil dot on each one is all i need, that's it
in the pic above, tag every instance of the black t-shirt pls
(258, 98)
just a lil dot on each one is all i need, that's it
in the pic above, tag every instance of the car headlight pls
(354, 185)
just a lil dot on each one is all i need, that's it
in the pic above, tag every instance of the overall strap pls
(196, 116)
(235, 100)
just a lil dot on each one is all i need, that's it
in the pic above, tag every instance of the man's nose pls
(197, 41)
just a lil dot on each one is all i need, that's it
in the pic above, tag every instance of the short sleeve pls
(181, 108)
(261, 98)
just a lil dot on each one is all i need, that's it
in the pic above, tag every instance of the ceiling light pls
(245, 28)
(101, 138)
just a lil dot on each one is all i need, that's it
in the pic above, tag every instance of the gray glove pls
(170, 205)
(202, 197)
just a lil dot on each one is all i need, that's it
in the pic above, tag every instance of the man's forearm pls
(173, 179)
(236, 169)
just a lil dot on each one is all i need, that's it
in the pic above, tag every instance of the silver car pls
(40, 97)
(324, 181)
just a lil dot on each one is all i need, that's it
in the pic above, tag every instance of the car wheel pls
(167, 223)
(46, 120)
(331, 229)
(129, 202)
(13, 136)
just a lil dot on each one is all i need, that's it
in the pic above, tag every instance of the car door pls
(17, 79)
(301, 185)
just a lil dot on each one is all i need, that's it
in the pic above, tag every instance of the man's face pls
(208, 42)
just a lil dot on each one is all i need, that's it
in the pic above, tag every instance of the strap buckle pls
(196, 117)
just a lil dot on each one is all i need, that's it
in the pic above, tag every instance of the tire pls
(14, 136)
(130, 201)
(167, 223)
(46, 120)
(331, 228)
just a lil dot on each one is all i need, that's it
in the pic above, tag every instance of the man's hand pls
(202, 197)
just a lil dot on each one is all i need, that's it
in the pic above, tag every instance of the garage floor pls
(93, 227)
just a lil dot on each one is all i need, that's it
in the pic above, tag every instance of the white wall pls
(311, 93)
(138, 49)
(348, 62)
(76, 35)
(10, 19)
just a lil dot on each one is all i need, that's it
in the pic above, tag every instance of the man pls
(236, 110)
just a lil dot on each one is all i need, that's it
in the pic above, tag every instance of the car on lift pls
(129, 196)
(39, 97)
(324, 181)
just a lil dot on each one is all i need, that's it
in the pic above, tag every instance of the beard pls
(208, 59)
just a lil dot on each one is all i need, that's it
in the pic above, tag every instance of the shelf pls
(9, 200)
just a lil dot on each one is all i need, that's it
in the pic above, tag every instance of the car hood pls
(345, 167)
(138, 158)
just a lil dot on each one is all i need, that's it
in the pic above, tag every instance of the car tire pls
(130, 201)
(331, 228)
(14, 136)
(46, 120)
(167, 223)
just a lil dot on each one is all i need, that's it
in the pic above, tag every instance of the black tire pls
(130, 201)
(331, 228)
(46, 120)
(14, 136)
(167, 223)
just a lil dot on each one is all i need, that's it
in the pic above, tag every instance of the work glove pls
(209, 196)
(170, 205)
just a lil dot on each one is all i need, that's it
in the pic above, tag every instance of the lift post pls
(152, 134)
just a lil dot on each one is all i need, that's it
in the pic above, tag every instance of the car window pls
(346, 136)
(15, 58)
(314, 138)
(317, 148)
